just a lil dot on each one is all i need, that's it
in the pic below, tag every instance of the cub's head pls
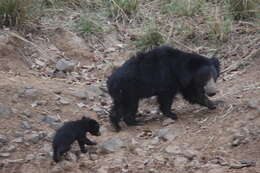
(92, 126)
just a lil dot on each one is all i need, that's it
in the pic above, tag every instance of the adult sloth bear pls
(161, 72)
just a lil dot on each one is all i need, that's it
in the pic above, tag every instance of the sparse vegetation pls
(122, 9)
(151, 38)
(75, 3)
(219, 27)
(90, 39)
(14, 12)
(242, 9)
(87, 26)
(183, 7)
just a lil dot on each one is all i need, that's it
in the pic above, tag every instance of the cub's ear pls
(216, 64)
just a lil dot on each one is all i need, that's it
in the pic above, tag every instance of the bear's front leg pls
(129, 114)
(115, 116)
(204, 101)
(82, 145)
(88, 142)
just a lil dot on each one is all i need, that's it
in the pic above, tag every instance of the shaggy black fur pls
(161, 72)
(71, 131)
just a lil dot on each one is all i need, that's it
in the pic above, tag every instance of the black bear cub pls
(74, 131)
(162, 72)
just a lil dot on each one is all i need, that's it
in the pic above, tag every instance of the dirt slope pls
(34, 102)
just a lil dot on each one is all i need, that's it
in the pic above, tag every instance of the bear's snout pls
(211, 88)
(211, 94)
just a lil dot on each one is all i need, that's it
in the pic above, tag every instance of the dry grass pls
(87, 26)
(242, 9)
(219, 26)
(183, 7)
(122, 9)
(75, 3)
(14, 12)
(149, 39)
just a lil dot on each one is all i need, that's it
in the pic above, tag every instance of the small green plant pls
(14, 12)
(149, 39)
(219, 27)
(183, 7)
(87, 26)
(185, 30)
(121, 9)
(74, 3)
(242, 9)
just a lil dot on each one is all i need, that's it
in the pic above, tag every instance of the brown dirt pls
(208, 134)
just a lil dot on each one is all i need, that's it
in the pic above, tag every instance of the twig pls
(190, 49)
(246, 57)
(120, 9)
(230, 109)
(26, 59)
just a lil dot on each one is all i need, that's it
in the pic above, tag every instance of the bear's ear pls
(216, 63)
(83, 118)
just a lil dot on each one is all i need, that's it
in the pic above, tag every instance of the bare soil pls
(206, 141)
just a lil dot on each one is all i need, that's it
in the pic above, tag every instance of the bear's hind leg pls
(59, 151)
(165, 101)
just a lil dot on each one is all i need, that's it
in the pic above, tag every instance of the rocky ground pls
(52, 76)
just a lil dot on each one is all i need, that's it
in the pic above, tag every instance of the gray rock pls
(111, 145)
(180, 161)
(10, 148)
(42, 156)
(166, 134)
(79, 94)
(65, 65)
(50, 119)
(46, 148)
(35, 138)
(155, 141)
(71, 157)
(55, 126)
(29, 157)
(31, 93)
(3, 139)
(5, 111)
(168, 121)
(64, 101)
(172, 149)
(93, 92)
(241, 164)
(60, 74)
(50, 136)
(237, 140)
(18, 140)
(18, 134)
(68, 166)
(81, 105)
(255, 104)
(5, 154)
(217, 170)
(26, 125)
(56, 169)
